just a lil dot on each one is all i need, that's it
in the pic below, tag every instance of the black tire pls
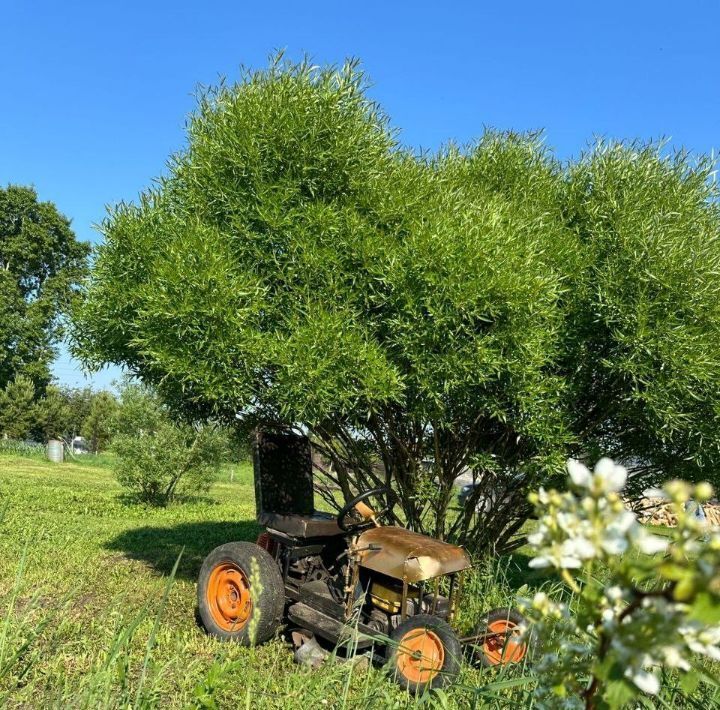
(227, 577)
(496, 651)
(416, 672)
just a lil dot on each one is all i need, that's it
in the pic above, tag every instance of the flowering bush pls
(657, 604)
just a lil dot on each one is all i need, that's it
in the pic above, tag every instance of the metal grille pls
(283, 473)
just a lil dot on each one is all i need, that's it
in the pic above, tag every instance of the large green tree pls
(484, 309)
(642, 334)
(41, 264)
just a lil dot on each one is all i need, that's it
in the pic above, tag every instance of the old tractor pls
(346, 575)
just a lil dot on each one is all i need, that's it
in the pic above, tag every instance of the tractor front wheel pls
(504, 638)
(424, 652)
(240, 593)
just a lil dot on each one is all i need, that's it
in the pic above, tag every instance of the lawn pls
(91, 614)
(83, 575)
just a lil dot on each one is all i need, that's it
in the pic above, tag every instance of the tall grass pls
(16, 447)
(25, 624)
(93, 618)
(114, 681)
(31, 626)
(34, 450)
(110, 683)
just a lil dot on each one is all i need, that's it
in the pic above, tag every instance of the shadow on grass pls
(160, 546)
(133, 500)
(518, 573)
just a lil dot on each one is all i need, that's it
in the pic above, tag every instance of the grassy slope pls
(94, 561)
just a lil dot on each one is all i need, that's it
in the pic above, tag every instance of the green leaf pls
(618, 693)
(705, 608)
(689, 682)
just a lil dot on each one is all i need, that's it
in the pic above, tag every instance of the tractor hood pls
(408, 555)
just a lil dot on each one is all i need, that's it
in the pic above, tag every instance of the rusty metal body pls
(408, 556)
(375, 575)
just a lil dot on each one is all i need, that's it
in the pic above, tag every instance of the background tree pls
(59, 413)
(41, 264)
(79, 401)
(17, 408)
(420, 316)
(97, 427)
(52, 415)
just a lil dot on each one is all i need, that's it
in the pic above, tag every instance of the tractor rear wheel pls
(241, 595)
(424, 652)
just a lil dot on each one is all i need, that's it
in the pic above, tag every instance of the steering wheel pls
(345, 510)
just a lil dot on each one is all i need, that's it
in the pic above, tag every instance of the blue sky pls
(93, 96)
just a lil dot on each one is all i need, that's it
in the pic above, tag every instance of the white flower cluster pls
(646, 614)
(592, 525)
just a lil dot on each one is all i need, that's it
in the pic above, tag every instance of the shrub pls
(484, 308)
(159, 459)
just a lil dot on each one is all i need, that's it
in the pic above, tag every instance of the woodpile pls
(658, 511)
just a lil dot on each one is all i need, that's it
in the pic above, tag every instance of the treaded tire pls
(227, 606)
(491, 654)
(424, 652)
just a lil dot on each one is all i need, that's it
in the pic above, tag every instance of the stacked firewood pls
(658, 511)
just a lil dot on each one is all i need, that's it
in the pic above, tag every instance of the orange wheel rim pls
(420, 656)
(504, 645)
(228, 597)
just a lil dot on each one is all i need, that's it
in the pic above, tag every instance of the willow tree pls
(419, 316)
(643, 327)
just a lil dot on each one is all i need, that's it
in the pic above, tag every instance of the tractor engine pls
(385, 594)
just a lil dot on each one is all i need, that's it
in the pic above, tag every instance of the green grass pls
(93, 612)
(83, 574)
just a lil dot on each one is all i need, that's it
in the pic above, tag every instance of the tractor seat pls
(284, 492)
(317, 524)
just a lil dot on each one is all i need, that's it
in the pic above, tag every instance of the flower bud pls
(679, 491)
(703, 491)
